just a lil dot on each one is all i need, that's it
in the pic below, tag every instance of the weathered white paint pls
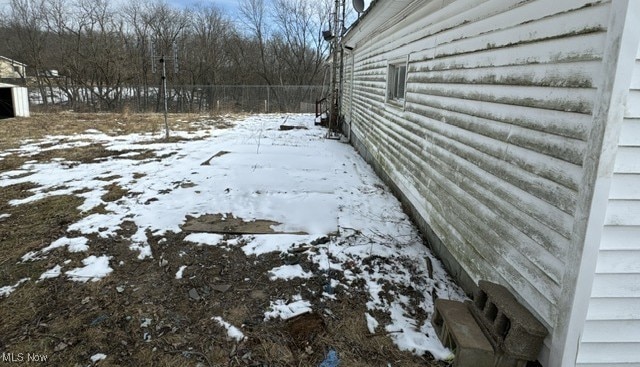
(19, 99)
(611, 333)
(506, 143)
(11, 68)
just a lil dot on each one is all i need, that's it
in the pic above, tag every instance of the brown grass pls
(114, 193)
(30, 227)
(39, 125)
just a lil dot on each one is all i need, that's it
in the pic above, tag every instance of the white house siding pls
(492, 137)
(347, 88)
(489, 146)
(611, 334)
(11, 68)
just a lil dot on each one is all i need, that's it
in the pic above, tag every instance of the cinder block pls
(459, 331)
(509, 326)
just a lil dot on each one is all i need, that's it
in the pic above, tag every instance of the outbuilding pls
(14, 101)
(510, 129)
(11, 69)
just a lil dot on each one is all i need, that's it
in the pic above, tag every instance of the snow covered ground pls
(315, 188)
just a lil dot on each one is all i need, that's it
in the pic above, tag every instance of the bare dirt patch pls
(230, 224)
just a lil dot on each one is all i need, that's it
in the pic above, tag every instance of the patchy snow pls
(51, 273)
(372, 323)
(315, 188)
(415, 338)
(287, 272)
(265, 243)
(95, 268)
(286, 310)
(77, 244)
(4, 216)
(210, 239)
(232, 331)
(8, 289)
(180, 271)
(31, 256)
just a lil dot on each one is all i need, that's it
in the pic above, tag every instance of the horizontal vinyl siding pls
(609, 354)
(347, 87)
(611, 334)
(490, 143)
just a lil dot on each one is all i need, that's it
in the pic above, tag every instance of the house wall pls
(347, 89)
(489, 149)
(611, 334)
(7, 70)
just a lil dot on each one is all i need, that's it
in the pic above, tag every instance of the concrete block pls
(509, 326)
(459, 331)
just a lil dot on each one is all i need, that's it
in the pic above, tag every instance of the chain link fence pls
(180, 99)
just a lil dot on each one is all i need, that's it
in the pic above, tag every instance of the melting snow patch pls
(31, 256)
(407, 337)
(287, 272)
(95, 269)
(77, 244)
(144, 249)
(98, 357)
(232, 331)
(7, 290)
(282, 309)
(4, 216)
(372, 323)
(265, 243)
(210, 239)
(180, 271)
(51, 273)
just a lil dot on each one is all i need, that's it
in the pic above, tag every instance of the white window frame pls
(397, 72)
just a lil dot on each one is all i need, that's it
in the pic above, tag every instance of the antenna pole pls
(164, 93)
(163, 60)
(335, 45)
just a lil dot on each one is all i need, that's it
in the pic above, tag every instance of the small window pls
(396, 81)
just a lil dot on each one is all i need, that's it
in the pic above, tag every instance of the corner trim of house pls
(620, 50)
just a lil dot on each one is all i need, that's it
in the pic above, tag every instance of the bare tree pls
(103, 50)
(255, 17)
(29, 40)
(299, 44)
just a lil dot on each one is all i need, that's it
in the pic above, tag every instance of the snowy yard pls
(235, 246)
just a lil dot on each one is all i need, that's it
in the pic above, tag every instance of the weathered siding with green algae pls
(489, 144)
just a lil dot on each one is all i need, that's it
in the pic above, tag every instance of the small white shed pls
(14, 101)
